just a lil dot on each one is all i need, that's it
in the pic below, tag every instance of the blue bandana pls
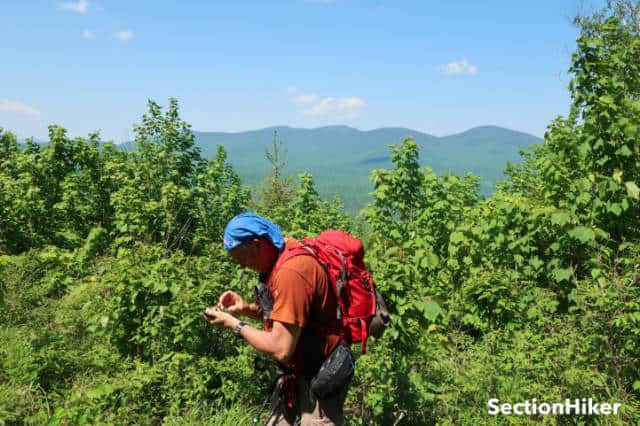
(246, 226)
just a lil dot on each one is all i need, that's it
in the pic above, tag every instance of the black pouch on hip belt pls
(335, 372)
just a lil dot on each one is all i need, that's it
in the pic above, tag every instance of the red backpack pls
(360, 306)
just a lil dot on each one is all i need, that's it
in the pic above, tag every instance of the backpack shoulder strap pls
(304, 249)
(288, 254)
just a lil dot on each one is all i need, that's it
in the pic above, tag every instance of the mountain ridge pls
(341, 157)
(376, 129)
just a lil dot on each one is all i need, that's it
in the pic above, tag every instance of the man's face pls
(252, 255)
(245, 255)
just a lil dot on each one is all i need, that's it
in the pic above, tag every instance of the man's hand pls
(219, 318)
(232, 302)
(235, 304)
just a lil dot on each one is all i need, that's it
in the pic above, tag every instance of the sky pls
(436, 66)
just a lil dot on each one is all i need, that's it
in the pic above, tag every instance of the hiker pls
(298, 307)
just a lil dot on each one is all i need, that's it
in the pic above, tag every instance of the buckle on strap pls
(287, 387)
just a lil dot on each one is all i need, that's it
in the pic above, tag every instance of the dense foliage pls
(107, 258)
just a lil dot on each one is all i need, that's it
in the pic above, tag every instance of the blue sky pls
(439, 67)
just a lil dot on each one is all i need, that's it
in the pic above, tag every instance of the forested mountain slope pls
(341, 158)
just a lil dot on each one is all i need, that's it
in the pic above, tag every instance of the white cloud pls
(81, 6)
(87, 34)
(306, 99)
(124, 35)
(348, 107)
(343, 107)
(7, 105)
(460, 67)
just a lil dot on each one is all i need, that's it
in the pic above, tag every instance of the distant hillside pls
(341, 158)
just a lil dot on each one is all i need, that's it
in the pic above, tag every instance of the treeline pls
(107, 258)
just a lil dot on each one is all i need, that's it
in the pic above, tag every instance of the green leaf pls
(560, 218)
(430, 261)
(431, 310)
(104, 320)
(456, 237)
(536, 262)
(632, 190)
(624, 151)
(617, 176)
(601, 233)
(583, 199)
(582, 234)
(615, 209)
(561, 274)
(160, 287)
(606, 99)
(100, 390)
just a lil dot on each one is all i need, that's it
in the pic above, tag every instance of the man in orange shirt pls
(301, 328)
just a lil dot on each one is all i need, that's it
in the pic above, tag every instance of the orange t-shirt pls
(302, 296)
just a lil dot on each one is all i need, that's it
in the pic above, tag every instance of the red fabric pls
(302, 296)
(342, 256)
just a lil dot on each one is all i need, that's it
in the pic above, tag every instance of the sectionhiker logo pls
(577, 406)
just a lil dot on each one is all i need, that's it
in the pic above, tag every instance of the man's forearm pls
(264, 341)
(279, 342)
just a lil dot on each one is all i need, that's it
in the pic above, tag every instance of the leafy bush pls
(107, 258)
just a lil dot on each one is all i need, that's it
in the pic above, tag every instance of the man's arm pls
(280, 342)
